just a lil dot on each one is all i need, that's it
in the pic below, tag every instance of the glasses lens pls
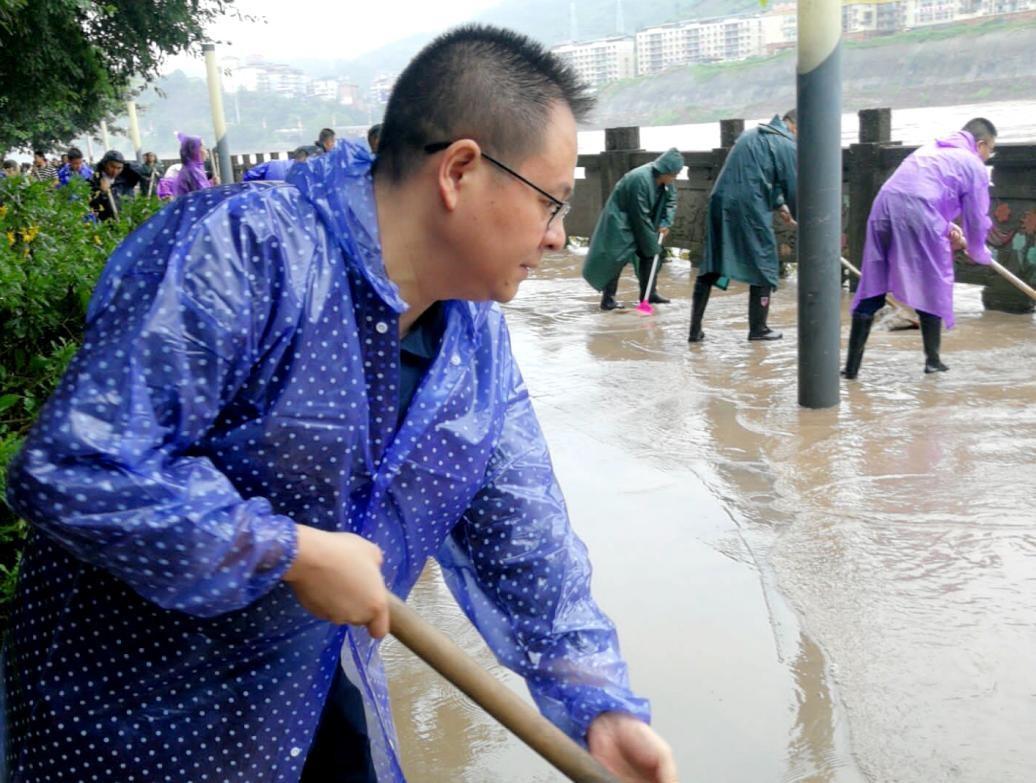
(559, 214)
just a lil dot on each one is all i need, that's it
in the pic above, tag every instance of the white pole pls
(134, 129)
(219, 122)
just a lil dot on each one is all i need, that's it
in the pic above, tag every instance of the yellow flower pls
(10, 238)
(97, 239)
(3, 210)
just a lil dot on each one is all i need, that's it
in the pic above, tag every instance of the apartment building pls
(601, 61)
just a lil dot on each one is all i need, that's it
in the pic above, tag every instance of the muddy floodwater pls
(839, 595)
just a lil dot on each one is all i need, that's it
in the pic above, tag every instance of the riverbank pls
(940, 66)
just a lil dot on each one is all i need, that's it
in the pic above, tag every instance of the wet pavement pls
(836, 595)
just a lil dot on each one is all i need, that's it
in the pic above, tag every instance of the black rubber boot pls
(858, 334)
(758, 310)
(608, 301)
(699, 301)
(643, 273)
(931, 335)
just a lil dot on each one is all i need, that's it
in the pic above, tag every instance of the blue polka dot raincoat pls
(240, 374)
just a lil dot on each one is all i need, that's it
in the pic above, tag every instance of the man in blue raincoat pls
(75, 167)
(278, 169)
(758, 177)
(287, 399)
(640, 208)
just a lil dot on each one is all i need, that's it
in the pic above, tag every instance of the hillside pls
(547, 21)
(944, 66)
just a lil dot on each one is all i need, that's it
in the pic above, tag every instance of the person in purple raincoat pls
(191, 175)
(289, 397)
(911, 236)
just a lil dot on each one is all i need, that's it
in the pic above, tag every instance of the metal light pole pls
(134, 129)
(104, 136)
(219, 122)
(819, 200)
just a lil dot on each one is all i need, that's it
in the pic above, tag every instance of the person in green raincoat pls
(758, 177)
(640, 208)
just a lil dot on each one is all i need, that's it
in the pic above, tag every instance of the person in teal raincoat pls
(289, 397)
(758, 177)
(641, 207)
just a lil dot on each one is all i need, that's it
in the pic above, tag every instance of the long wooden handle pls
(455, 665)
(1017, 282)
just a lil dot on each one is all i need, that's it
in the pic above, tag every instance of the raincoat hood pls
(339, 186)
(777, 125)
(111, 156)
(962, 140)
(191, 176)
(669, 162)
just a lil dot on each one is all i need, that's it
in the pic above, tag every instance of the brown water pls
(837, 595)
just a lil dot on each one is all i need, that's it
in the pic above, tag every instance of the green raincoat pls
(627, 229)
(758, 176)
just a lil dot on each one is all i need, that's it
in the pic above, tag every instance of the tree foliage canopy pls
(67, 64)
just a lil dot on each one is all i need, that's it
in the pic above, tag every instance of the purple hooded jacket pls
(907, 250)
(192, 175)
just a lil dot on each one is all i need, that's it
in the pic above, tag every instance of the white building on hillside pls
(601, 61)
(698, 41)
(324, 89)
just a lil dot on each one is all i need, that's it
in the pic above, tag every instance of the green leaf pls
(8, 400)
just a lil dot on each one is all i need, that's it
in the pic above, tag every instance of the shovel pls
(906, 321)
(645, 308)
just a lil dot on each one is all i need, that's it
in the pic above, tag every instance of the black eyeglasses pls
(559, 209)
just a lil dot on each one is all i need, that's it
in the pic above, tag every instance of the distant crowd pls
(114, 178)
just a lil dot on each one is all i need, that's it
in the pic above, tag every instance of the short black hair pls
(981, 128)
(791, 115)
(480, 82)
(74, 153)
(39, 153)
(373, 133)
(325, 134)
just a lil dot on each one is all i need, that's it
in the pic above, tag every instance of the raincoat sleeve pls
(975, 219)
(641, 217)
(669, 213)
(523, 578)
(257, 172)
(787, 176)
(111, 469)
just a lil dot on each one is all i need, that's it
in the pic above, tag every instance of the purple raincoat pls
(192, 175)
(907, 250)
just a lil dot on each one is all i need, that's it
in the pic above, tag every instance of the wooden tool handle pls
(450, 661)
(1017, 282)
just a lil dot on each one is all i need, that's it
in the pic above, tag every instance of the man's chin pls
(505, 295)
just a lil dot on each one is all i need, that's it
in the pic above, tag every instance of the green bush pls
(51, 254)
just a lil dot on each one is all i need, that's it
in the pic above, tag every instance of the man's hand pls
(337, 577)
(630, 749)
(104, 185)
(957, 240)
(785, 215)
(663, 232)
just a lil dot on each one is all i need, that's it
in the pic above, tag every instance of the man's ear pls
(459, 161)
